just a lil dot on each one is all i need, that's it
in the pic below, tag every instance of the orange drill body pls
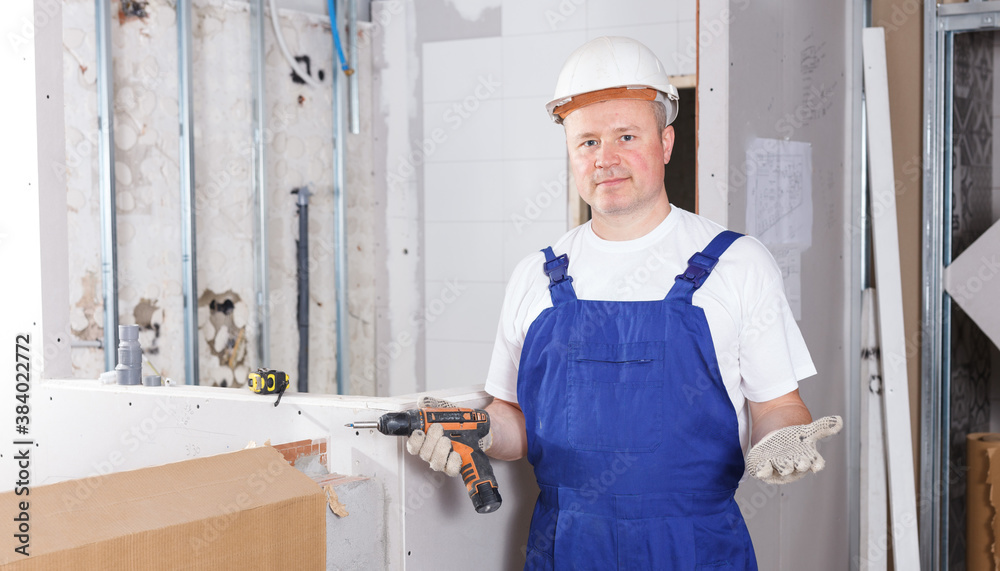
(464, 427)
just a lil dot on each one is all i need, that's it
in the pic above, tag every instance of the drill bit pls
(372, 424)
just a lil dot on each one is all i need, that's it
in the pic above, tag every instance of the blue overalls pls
(633, 438)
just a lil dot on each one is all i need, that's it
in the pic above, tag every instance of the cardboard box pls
(243, 510)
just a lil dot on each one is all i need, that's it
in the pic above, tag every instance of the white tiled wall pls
(494, 187)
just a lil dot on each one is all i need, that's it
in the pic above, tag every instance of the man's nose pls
(606, 156)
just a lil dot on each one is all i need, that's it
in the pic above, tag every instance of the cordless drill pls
(464, 426)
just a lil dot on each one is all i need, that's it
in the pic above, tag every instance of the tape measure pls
(268, 382)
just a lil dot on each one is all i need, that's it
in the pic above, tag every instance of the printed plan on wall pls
(779, 206)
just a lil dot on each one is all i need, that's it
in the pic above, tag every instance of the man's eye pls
(627, 137)
(589, 143)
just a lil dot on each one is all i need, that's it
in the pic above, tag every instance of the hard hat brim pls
(558, 109)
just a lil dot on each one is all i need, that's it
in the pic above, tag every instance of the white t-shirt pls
(759, 347)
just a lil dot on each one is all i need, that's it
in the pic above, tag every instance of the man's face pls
(617, 155)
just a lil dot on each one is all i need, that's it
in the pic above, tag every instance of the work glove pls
(787, 454)
(434, 447)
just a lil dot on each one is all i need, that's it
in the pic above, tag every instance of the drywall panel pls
(794, 82)
(52, 189)
(712, 53)
(85, 429)
(20, 240)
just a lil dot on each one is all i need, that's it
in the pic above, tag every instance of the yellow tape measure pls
(268, 382)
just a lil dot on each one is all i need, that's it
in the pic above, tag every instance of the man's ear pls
(668, 142)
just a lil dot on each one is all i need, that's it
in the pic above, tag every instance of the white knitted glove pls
(435, 448)
(787, 454)
(432, 402)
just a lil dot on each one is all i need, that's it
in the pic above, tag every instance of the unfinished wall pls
(494, 180)
(298, 139)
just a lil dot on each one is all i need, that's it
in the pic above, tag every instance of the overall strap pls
(560, 284)
(700, 266)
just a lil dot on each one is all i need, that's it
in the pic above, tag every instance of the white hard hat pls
(611, 67)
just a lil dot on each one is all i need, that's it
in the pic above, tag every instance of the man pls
(629, 352)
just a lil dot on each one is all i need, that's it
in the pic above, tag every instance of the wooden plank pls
(885, 241)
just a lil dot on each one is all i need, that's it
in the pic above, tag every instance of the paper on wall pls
(779, 207)
(779, 192)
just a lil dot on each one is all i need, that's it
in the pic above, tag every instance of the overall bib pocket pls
(615, 396)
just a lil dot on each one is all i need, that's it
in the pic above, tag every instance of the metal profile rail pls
(185, 113)
(941, 23)
(259, 182)
(340, 230)
(106, 177)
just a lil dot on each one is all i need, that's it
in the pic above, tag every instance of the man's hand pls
(508, 439)
(434, 447)
(787, 454)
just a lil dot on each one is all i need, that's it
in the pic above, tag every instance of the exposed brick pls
(292, 451)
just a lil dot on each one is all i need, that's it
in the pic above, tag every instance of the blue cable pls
(336, 34)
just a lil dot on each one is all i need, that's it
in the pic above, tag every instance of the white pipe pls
(288, 55)
(352, 79)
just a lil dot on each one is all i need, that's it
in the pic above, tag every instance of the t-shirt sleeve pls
(773, 354)
(501, 379)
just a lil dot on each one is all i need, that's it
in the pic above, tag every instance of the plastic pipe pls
(303, 278)
(280, 38)
(352, 78)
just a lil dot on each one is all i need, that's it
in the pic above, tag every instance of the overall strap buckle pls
(560, 284)
(556, 268)
(699, 266)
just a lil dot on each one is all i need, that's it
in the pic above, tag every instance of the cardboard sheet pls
(982, 501)
(242, 510)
